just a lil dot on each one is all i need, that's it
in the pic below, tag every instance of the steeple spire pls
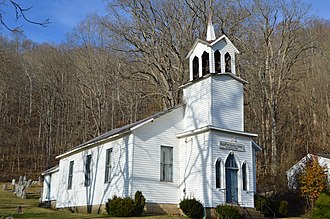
(210, 34)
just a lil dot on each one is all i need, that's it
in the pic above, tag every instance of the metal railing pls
(236, 202)
(264, 204)
(243, 208)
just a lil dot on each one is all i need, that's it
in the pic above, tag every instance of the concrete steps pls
(251, 213)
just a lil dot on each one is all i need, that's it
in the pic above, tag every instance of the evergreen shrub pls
(227, 212)
(321, 209)
(283, 208)
(192, 208)
(126, 207)
(139, 203)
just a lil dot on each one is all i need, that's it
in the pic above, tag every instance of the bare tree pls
(20, 12)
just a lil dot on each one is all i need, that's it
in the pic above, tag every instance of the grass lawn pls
(9, 202)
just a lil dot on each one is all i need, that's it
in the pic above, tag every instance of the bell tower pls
(211, 55)
(214, 94)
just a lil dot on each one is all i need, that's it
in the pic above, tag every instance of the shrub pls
(261, 204)
(126, 207)
(192, 208)
(227, 212)
(283, 209)
(120, 207)
(322, 206)
(268, 206)
(139, 202)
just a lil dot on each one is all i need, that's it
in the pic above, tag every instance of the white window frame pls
(88, 170)
(166, 164)
(70, 176)
(108, 166)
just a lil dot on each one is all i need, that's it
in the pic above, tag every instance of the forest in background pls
(120, 68)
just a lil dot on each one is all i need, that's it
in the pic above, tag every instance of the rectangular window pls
(88, 170)
(70, 175)
(107, 174)
(166, 164)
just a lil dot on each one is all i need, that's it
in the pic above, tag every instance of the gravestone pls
(29, 183)
(13, 185)
(20, 187)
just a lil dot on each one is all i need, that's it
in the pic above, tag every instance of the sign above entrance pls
(232, 146)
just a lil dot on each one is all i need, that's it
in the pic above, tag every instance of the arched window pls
(217, 61)
(195, 68)
(227, 62)
(244, 176)
(231, 163)
(205, 63)
(218, 174)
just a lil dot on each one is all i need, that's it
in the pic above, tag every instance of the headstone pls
(4, 186)
(13, 185)
(29, 183)
(23, 194)
(20, 179)
(17, 190)
(19, 210)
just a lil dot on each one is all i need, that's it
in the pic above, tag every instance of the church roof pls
(51, 170)
(214, 75)
(214, 128)
(118, 131)
(210, 43)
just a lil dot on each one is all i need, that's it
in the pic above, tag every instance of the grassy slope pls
(9, 203)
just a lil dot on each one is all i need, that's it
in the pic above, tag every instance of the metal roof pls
(51, 170)
(118, 131)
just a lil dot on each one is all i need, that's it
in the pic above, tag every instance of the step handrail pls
(274, 216)
(243, 208)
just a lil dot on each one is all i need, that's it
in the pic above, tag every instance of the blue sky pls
(66, 14)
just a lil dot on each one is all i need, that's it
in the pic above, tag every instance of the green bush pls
(261, 204)
(126, 207)
(283, 209)
(192, 208)
(139, 202)
(227, 212)
(280, 208)
(321, 209)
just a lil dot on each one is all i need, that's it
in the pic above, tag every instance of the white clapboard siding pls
(245, 198)
(215, 100)
(227, 103)
(148, 140)
(99, 191)
(197, 98)
(50, 187)
(195, 168)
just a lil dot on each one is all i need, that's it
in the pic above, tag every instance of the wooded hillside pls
(117, 69)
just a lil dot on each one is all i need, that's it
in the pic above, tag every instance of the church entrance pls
(231, 180)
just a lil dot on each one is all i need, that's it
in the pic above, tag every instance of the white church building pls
(195, 150)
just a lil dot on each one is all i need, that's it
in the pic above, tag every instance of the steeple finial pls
(210, 34)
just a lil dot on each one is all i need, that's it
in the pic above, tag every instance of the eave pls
(213, 128)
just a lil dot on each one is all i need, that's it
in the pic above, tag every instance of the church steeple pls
(211, 56)
(210, 34)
